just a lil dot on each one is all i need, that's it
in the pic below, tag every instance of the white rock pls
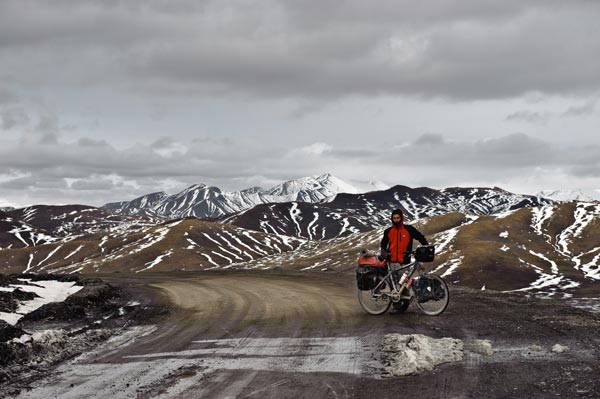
(558, 348)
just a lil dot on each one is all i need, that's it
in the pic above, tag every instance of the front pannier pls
(425, 254)
(366, 277)
(428, 288)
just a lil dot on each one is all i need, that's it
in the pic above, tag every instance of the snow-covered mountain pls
(570, 195)
(368, 186)
(485, 237)
(550, 249)
(353, 213)
(204, 201)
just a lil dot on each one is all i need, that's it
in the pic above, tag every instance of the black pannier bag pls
(366, 277)
(427, 288)
(425, 254)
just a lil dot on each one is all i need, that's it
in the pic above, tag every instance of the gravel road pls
(286, 335)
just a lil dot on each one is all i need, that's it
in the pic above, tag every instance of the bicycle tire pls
(376, 303)
(439, 303)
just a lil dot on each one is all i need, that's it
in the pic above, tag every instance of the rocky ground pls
(59, 331)
(290, 335)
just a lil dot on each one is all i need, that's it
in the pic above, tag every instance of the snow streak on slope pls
(570, 236)
(42, 224)
(584, 214)
(328, 255)
(157, 260)
(26, 234)
(590, 269)
(181, 245)
(540, 216)
(347, 214)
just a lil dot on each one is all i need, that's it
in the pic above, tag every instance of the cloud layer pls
(95, 172)
(465, 49)
(106, 100)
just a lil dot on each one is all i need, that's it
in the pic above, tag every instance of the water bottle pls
(403, 278)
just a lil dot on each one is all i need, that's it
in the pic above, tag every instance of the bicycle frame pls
(395, 283)
(431, 296)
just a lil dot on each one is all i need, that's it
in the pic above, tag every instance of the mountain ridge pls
(204, 201)
(353, 213)
(549, 249)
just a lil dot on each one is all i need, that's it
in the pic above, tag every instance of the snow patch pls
(48, 291)
(157, 260)
(558, 348)
(481, 346)
(417, 353)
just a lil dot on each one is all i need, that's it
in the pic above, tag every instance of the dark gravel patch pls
(78, 324)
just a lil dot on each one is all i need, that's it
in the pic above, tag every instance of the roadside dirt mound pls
(61, 330)
(8, 332)
(91, 302)
(9, 301)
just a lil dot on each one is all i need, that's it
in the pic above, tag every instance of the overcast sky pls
(108, 100)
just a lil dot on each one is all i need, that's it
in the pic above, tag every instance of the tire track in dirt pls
(286, 335)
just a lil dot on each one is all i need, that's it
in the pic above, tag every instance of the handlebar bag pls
(425, 254)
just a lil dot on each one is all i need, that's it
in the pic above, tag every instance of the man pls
(399, 238)
(395, 241)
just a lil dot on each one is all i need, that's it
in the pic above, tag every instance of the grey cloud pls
(49, 139)
(103, 173)
(87, 142)
(509, 152)
(162, 143)
(34, 182)
(6, 95)
(528, 116)
(586, 162)
(48, 124)
(455, 49)
(93, 184)
(430, 139)
(12, 117)
(586, 108)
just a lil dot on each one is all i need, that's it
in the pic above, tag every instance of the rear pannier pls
(369, 267)
(366, 277)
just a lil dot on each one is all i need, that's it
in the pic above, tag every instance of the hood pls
(398, 212)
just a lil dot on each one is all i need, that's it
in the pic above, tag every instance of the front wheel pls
(376, 301)
(431, 294)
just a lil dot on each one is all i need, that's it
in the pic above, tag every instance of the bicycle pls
(429, 291)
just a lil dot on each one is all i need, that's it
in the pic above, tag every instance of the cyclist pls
(397, 239)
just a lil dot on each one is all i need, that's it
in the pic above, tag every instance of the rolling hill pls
(486, 238)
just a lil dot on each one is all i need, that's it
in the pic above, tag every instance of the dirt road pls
(270, 335)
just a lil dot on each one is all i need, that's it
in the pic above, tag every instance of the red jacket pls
(399, 238)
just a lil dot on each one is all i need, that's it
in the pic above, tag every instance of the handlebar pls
(385, 253)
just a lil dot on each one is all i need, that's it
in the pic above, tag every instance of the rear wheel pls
(376, 301)
(435, 296)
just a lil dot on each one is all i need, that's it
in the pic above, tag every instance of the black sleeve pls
(416, 234)
(385, 241)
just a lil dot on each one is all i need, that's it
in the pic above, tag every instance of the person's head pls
(397, 217)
